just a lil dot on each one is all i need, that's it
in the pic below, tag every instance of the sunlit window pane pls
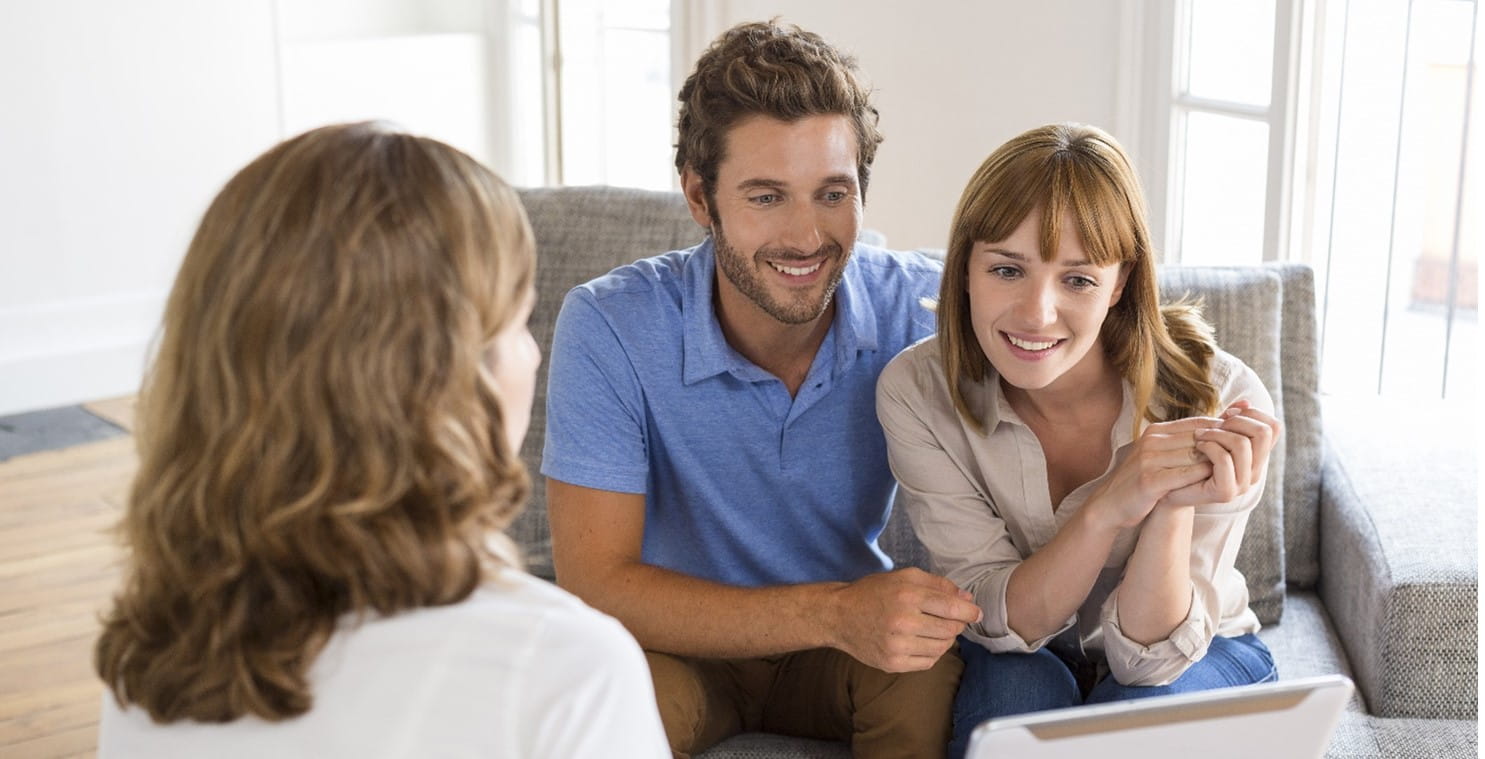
(1226, 162)
(1400, 295)
(527, 110)
(1231, 50)
(1428, 283)
(616, 93)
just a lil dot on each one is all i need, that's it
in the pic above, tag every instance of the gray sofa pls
(1361, 559)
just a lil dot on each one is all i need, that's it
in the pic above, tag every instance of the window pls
(1396, 261)
(545, 91)
(1225, 118)
(615, 93)
(1336, 133)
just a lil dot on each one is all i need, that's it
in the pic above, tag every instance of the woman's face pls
(512, 357)
(1039, 321)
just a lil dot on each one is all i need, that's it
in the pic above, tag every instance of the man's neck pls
(784, 350)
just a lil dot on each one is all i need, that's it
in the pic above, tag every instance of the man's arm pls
(896, 621)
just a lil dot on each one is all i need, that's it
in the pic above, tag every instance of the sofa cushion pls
(1398, 541)
(1243, 306)
(1299, 353)
(1305, 643)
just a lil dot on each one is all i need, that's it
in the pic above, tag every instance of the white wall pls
(953, 79)
(118, 123)
(120, 120)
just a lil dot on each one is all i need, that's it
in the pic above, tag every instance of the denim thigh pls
(999, 685)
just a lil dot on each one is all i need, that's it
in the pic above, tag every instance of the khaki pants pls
(821, 693)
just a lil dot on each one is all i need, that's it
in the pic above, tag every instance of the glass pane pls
(1231, 51)
(1222, 203)
(1426, 281)
(1393, 278)
(653, 15)
(527, 112)
(1364, 143)
(638, 145)
(616, 95)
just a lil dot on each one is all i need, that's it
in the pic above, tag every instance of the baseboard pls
(58, 354)
(43, 382)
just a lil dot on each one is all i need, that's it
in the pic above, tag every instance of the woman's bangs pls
(1102, 220)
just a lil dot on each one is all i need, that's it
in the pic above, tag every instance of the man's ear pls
(695, 197)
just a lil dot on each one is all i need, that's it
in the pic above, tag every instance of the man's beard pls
(743, 272)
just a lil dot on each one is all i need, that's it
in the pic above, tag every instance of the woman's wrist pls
(1100, 517)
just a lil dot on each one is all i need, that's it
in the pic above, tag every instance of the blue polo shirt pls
(743, 484)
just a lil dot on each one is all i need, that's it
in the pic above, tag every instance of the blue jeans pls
(999, 685)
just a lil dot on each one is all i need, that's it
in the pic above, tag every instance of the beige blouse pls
(980, 505)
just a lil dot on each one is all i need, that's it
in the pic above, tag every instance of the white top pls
(980, 504)
(519, 669)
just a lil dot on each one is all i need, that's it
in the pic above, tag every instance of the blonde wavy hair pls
(318, 434)
(1164, 352)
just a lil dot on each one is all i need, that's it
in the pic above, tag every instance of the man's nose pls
(802, 230)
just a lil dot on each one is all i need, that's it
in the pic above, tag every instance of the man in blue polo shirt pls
(717, 478)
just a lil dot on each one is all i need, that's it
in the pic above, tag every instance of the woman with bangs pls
(1077, 456)
(328, 443)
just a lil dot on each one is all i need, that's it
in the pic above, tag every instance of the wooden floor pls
(59, 564)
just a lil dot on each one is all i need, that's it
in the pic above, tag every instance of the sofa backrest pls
(581, 233)
(1262, 314)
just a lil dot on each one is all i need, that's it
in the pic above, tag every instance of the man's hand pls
(900, 621)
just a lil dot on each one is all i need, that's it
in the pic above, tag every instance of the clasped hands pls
(1189, 461)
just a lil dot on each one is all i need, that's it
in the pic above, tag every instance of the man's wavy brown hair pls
(772, 70)
(318, 435)
(1164, 352)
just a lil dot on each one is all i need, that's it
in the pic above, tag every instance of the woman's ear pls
(1119, 285)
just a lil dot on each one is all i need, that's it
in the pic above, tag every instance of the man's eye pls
(766, 199)
(835, 197)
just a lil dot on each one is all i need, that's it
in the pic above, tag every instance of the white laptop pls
(1289, 718)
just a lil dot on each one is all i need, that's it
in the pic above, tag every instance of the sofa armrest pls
(1398, 570)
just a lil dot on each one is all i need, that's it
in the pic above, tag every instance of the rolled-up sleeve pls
(1216, 587)
(954, 517)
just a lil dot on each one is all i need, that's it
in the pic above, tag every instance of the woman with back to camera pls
(1078, 457)
(328, 449)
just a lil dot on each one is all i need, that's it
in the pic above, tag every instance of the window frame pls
(1153, 111)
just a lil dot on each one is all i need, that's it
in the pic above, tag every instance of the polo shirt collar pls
(706, 351)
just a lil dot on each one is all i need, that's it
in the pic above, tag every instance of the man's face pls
(788, 203)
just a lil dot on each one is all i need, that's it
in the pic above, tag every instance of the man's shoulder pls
(647, 293)
(645, 277)
(883, 263)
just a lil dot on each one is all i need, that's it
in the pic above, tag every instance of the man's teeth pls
(796, 271)
(1027, 345)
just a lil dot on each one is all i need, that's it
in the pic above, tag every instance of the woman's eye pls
(1081, 283)
(1005, 272)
